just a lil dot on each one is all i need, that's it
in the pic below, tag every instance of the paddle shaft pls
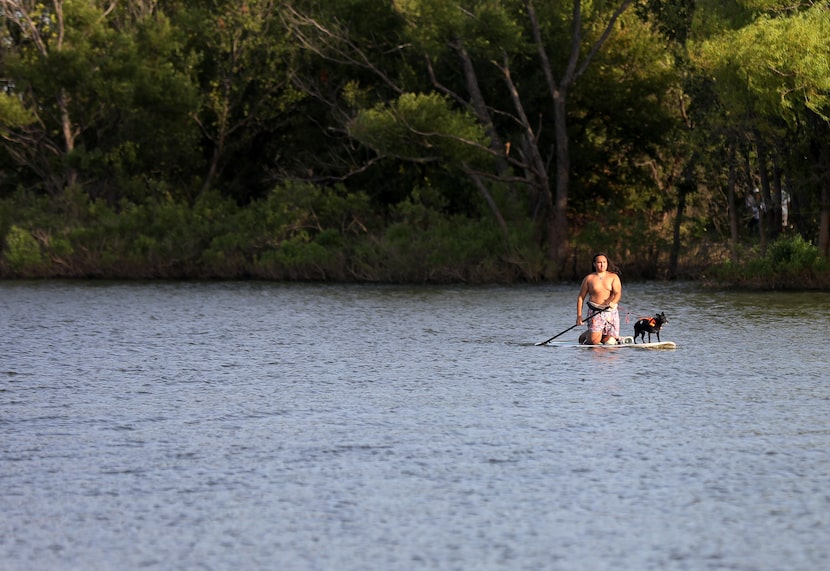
(571, 327)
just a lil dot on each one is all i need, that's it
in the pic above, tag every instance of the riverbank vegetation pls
(415, 140)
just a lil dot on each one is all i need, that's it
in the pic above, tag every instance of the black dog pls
(649, 325)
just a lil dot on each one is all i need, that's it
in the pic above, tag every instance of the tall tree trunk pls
(478, 103)
(482, 113)
(777, 217)
(824, 222)
(686, 186)
(750, 189)
(558, 244)
(824, 218)
(70, 134)
(678, 221)
(488, 197)
(533, 162)
(558, 239)
(767, 213)
(733, 203)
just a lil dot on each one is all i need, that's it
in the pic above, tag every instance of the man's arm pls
(583, 292)
(616, 292)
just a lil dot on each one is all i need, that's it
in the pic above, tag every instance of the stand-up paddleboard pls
(626, 343)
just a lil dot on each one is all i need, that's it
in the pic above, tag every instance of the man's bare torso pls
(601, 287)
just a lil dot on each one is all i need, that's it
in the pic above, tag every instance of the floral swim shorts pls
(606, 322)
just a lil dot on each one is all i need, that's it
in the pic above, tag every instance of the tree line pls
(415, 140)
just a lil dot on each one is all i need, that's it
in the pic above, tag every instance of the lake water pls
(252, 426)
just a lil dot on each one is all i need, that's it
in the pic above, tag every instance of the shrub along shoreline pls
(305, 234)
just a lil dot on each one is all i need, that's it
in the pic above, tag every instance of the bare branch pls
(109, 9)
(440, 87)
(605, 34)
(332, 44)
(540, 47)
(535, 163)
(16, 12)
(573, 70)
(576, 40)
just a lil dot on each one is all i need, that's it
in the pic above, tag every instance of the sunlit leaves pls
(13, 113)
(486, 26)
(421, 128)
(783, 64)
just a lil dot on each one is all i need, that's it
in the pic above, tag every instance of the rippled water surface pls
(361, 428)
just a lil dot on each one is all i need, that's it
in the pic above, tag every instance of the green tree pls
(244, 81)
(773, 74)
(464, 46)
(582, 48)
(97, 96)
(40, 40)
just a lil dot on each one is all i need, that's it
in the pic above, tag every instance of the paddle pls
(569, 328)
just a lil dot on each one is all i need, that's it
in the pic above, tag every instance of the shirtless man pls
(602, 291)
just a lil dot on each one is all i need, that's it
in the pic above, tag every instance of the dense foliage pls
(415, 140)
